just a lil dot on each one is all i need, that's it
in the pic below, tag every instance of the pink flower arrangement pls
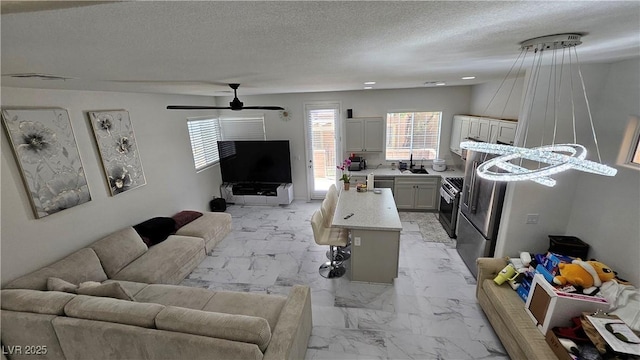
(345, 168)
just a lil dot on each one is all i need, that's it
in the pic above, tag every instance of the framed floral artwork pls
(47, 155)
(118, 150)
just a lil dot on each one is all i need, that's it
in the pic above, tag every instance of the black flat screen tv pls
(255, 161)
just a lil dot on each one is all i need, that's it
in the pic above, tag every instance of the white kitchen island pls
(375, 233)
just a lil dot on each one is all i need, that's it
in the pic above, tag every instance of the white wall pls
(450, 100)
(602, 211)
(606, 211)
(492, 100)
(172, 183)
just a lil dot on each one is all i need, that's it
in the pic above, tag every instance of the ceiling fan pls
(235, 105)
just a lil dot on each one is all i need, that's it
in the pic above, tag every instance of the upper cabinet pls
(481, 129)
(459, 132)
(506, 132)
(364, 134)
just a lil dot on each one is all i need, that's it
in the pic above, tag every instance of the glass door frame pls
(339, 123)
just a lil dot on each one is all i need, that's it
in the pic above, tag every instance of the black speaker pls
(218, 205)
(349, 113)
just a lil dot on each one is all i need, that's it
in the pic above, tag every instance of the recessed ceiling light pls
(368, 87)
(370, 83)
(468, 78)
(440, 83)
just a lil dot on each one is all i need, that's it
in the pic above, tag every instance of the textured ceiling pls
(196, 47)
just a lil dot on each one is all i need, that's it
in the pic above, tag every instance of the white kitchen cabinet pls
(479, 128)
(364, 134)
(506, 132)
(417, 192)
(459, 132)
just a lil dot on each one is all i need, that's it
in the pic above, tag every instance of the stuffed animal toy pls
(583, 273)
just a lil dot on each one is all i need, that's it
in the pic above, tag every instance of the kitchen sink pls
(419, 171)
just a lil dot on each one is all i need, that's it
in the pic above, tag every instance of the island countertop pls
(370, 211)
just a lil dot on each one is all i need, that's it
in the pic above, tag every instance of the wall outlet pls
(356, 241)
(533, 218)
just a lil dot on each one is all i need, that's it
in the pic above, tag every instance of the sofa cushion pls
(55, 284)
(249, 329)
(35, 301)
(104, 340)
(118, 250)
(22, 329)
(166, 263)
(175, 295)
(113, 310)
(156, 230)
(212, 227)
(112, 290)
(184, 217)
(131, 287)
(250, 304)
(82, 265)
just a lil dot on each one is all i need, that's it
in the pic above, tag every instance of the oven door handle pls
(445, 195)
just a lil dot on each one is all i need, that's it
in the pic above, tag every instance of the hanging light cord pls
(573, 104)
(523, 51)
(584, 91)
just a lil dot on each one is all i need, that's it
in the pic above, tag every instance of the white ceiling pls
(196, 47)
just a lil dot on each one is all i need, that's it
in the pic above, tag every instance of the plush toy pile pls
(568, 274)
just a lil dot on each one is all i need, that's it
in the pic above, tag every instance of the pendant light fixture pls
(563, 72)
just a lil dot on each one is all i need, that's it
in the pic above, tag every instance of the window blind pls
(416, 133)
(204, 135)
(246, 128)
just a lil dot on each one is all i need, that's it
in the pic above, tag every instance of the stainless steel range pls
(449, 200)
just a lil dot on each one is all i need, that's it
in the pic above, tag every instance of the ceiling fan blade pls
(196, 107)
(262, 108)
(236, 104)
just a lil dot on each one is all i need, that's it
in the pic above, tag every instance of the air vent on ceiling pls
(38, 76)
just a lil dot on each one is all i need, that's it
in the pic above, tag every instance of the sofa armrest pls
(290, 336)
(488, 268)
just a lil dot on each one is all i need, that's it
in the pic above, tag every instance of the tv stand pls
(257, 193)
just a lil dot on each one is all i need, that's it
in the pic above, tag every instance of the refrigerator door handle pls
(472, 189)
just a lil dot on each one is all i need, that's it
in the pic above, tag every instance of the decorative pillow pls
(112, 290)
(55, 284)
(184, 217)
(156, 230)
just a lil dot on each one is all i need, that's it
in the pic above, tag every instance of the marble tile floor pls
(429, 313)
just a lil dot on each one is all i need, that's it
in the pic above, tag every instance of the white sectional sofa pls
(157, 320)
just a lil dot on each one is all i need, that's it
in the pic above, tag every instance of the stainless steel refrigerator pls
(481, 208)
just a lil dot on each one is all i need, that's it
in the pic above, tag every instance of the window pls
(635, 159)
(416, 133)
(629, 154)
(204, 134)
(246, 128)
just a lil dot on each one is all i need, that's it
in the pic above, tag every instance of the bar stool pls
(332, 237)
(332, 196)
(341, 253)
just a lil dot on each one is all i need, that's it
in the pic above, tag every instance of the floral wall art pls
(47, 155)
(118, 149)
